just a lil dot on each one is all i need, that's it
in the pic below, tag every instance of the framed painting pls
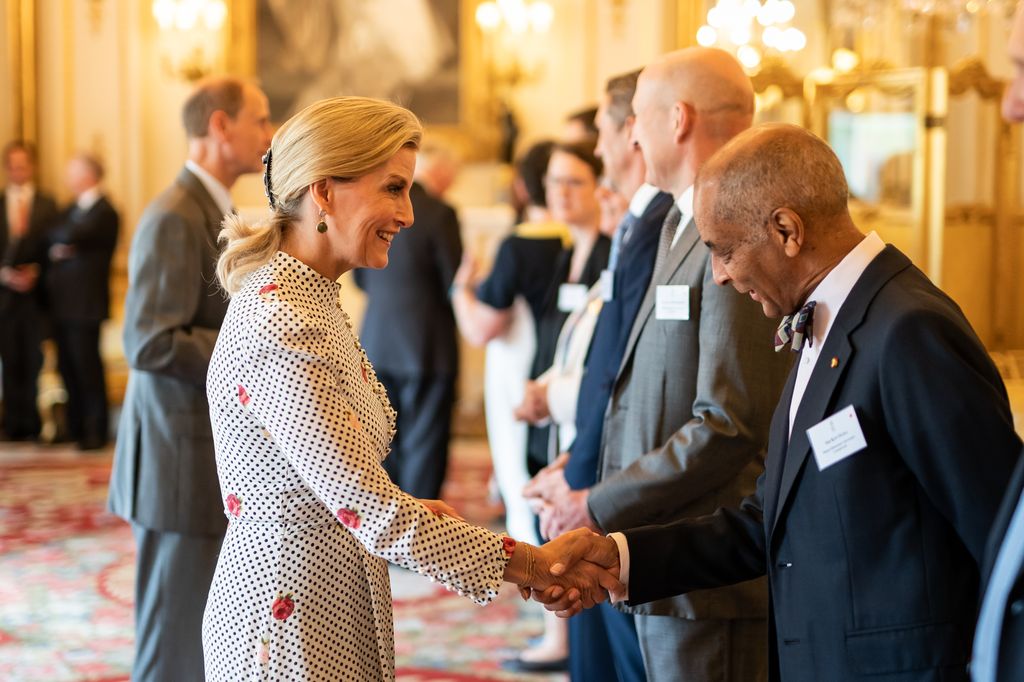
(422, 54)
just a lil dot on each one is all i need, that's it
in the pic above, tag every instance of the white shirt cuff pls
(623, 545)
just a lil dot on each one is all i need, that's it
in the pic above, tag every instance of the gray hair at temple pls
(620, 90)
(771, 166)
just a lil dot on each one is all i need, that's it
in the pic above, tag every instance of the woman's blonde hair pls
(341, 137)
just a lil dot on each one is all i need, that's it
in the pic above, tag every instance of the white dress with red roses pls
(300, 426)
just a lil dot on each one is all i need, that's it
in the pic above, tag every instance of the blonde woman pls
(301, 424)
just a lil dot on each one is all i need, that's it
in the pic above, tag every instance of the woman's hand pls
(441, 508)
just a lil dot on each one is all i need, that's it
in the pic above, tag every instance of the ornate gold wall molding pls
(971, 74)
(21, 48)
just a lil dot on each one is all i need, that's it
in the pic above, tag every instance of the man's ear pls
(683, 116)
(217, 127)
(787, 228)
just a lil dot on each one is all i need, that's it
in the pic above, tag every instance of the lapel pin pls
(834, 363)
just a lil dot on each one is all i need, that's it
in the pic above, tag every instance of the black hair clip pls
(266, 178)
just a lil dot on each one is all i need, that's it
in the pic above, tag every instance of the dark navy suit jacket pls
(873, 562)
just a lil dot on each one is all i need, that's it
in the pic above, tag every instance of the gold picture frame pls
(474, 134)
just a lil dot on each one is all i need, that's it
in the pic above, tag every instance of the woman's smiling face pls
(367, 213)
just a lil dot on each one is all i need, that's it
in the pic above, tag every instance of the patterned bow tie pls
(796, 328)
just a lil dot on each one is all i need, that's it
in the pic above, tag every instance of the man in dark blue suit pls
(603, 642)
(890, 447)
(999, 639)
(409, 329)
(82, 244)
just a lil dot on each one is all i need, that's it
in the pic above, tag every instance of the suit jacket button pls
(1017, 607)
(785, 564)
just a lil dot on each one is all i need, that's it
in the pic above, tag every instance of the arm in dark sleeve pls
(98, 232)
(165, 286)
(946, 409)
(499, 289)
(723, 548)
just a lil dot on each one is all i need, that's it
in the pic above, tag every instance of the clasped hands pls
(575, 571)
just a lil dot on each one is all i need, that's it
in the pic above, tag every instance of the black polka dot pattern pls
(301, 425)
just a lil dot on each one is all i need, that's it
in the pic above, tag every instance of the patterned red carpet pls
(66, 574)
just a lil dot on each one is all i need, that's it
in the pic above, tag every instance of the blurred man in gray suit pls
(687, 424)
(164, 479)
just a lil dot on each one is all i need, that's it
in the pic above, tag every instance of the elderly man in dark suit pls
(998, 654)
(164, 479)
(25, 215)
(689, 399)
(890, 447)
(82, 243)
(409, 328)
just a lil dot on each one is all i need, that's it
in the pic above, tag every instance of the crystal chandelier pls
(751, 29)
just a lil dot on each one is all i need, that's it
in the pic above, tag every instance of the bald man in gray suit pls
(164, 479)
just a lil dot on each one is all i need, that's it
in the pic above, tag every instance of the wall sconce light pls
(511, 28)
(190, 35)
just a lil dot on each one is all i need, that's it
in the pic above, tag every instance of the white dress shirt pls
(685, 205)
(829, 296)
(88, 198)
(221, 195)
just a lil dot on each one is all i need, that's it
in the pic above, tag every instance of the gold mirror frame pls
(924, 218)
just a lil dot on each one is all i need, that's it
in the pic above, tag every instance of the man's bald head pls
(769, 167)
(771, 206)
(708, 79)
(687, 104)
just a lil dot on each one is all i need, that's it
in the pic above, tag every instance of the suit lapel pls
(776, 456)
(687, 240)
(825, 378)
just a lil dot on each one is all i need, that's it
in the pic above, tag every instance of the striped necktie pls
(668, 233)
(796, 328)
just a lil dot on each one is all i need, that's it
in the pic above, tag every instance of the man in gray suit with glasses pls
(164, 479)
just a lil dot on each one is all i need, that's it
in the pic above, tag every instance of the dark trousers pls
(81, 368)
(419, 452)
(603, 646)
(173, 576)
(21, 338)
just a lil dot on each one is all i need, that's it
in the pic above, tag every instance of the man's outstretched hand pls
(583, 569)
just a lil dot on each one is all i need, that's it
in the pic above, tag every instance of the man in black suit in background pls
(409, 329)
(999, 638)
(25, 215)
(82, 244)
(889, 450)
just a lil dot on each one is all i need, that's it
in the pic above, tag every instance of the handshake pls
(577, 570)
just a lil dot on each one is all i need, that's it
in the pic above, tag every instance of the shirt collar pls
(685, 205)
(88, 198)
(642, 198)
(220, 194)
(831, 292)
(27, 190)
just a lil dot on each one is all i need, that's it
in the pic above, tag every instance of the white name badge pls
(607, 285)
(836, 438)
(571, 297)
(672, 302)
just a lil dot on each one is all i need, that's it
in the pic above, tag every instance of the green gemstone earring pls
(321, 226)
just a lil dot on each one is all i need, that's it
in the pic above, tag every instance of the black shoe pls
(518, 665)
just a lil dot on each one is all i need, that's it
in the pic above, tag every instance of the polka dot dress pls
(300, 426)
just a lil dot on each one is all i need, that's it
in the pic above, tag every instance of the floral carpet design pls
(67, 574)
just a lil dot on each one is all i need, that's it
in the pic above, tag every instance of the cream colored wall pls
(6, 85)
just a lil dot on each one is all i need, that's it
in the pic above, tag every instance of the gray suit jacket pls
(687, 424)
(165, 476)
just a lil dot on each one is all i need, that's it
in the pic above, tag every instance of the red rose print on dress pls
(234, 505)
(353, 421)
(282, 606)
(269, 292)
(350, 518)
(508, 545)
(366, 377)
(243, 396)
